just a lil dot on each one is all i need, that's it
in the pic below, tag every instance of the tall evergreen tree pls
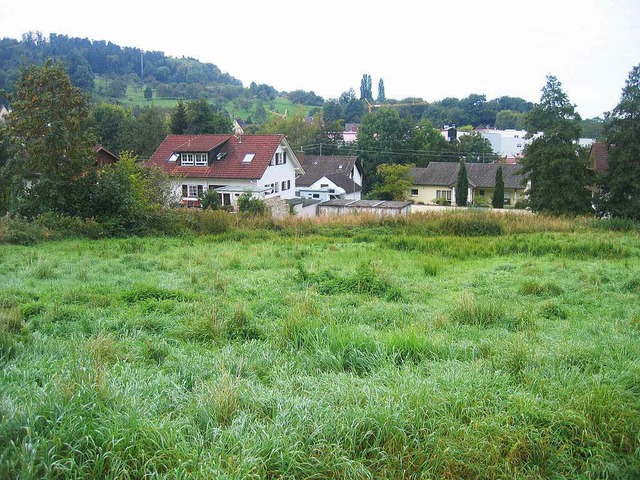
(497, 200)
(620, 190)
(552, 161)
(462, 185)
(365, 88)
(381, 95)
(178, 122)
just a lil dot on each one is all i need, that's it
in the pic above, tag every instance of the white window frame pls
(187, 159)
(192, 191)
(201, 160)
(446, 194)
(414, 192)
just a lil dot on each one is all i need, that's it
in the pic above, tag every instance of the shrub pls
(252, 206)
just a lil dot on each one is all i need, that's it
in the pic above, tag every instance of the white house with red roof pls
(264, 165)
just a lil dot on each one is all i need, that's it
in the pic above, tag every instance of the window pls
(324, 185)
(481, 193)
(414, 192)
(193, 190)
(201, 159)
(248, 157)
(286, 185)
(270, 187)
(184, 191)
(279, 158)
(186, 159)
(276, 187)
(316, 195)
(446, 194)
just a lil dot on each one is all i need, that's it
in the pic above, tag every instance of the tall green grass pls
(370, 349)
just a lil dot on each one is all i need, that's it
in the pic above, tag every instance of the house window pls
(446, 194)
(481, 193)
(201, 160)
(248, 157)
(187, 159)
(316, 195)
(414, 192)
(276, 187)
(270, 187)
(192, 190)
(184, 191)
(286, 185)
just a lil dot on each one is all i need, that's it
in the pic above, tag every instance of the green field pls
(301, 350)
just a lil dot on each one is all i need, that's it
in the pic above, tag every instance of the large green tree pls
(620, 189)
(204, 118)
(551, 161)
(51, 140)
(476, 149)
(382, 138)
(111, 123)
(429, 145)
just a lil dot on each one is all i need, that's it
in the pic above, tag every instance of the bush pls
(480, 201)
(19, 231)
(252, 206)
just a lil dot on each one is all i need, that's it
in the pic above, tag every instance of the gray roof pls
(480, 175)
(365, 203)
(336, 168)
(305, 202)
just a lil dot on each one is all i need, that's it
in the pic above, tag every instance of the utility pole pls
(142, 65)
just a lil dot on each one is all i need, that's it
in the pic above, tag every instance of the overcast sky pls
(420, 49)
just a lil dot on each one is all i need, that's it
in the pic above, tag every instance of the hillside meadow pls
(471, 346)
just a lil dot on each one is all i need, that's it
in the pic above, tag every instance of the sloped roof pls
(599, 157)
(480, 175)
(231, 166)
(336, 168)
(386, 204)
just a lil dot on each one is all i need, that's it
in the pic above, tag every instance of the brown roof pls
(599, 157)
(336, 168)
(480, 175)
(233, 150)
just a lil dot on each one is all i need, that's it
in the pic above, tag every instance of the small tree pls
(497, 200)
(395, 182)
(148, 93)
(462, 185)
(209, 199)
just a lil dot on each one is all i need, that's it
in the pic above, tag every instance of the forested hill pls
(86, 59)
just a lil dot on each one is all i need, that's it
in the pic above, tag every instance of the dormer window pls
(194, 159)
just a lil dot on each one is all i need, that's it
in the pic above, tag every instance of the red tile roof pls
(599, 157)
(231, 166)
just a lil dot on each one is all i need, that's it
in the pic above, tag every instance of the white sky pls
(430, 50)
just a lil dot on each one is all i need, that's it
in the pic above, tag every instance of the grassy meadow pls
(471, 347)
